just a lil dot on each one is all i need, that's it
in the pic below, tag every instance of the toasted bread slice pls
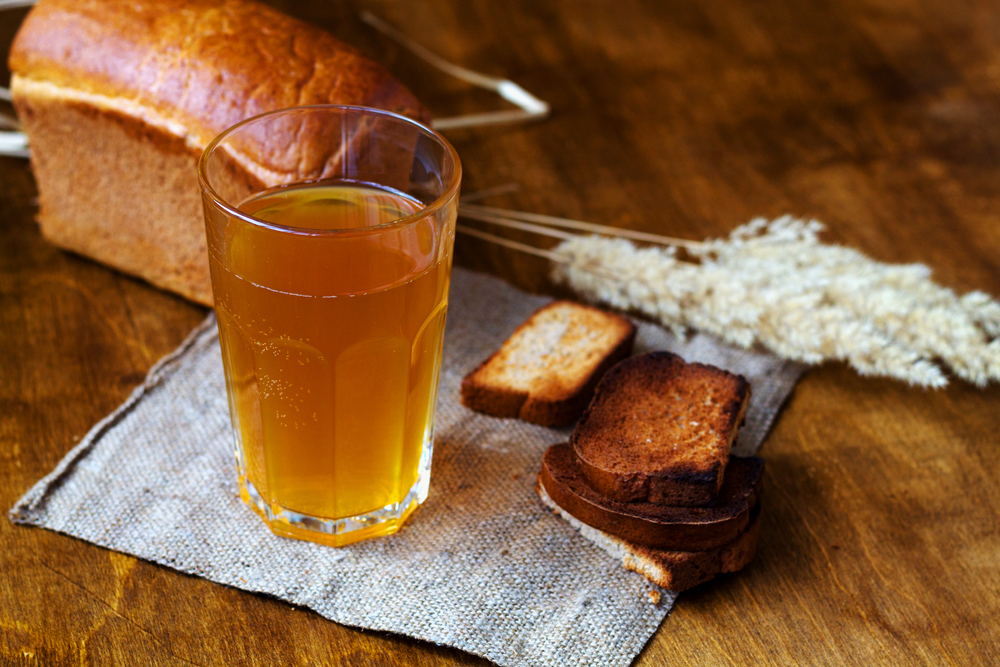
(660, 430)
(658, 526)
(673, 570)
(545, 373)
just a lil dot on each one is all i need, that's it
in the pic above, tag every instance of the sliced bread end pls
(546, 372)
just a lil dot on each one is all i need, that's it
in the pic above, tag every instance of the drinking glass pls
(330, 234)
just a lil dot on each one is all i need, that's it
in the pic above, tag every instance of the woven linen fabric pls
(482, 566)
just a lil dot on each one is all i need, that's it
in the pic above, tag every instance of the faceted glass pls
(330, 234)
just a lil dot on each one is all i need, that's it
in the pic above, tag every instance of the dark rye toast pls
(673, 570)
(657, 526)
(545, 373)
(659, 430)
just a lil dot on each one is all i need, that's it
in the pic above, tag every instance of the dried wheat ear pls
(774, 284)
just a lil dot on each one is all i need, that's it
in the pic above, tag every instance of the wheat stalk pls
(774, 283)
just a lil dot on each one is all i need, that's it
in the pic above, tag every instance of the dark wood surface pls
(880, 540)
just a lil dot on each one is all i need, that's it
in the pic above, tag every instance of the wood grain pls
(880, 540)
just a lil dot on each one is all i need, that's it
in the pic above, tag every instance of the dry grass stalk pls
(775, 284)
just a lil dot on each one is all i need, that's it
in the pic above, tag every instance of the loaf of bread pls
(120, 98)
(545, 373)
(660, 430)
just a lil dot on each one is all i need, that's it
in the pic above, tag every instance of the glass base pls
(340, 532)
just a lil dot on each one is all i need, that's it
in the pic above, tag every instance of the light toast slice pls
(660, 430)
(657, 526)
(545, 373)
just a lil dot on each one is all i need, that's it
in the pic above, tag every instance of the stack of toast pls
(647, 473)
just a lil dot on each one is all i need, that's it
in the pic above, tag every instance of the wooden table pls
(881, 118)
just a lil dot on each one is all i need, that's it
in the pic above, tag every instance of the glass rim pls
(429, 210)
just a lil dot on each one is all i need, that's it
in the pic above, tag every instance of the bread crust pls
(675, 570)
(531, 378)
(660, 430)
(678, 528)
(681, 570)
(203, 64)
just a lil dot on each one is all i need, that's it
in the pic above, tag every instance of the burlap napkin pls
(482, 566)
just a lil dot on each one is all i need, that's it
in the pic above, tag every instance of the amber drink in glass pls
(330, 234)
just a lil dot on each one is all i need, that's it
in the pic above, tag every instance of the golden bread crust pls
(203, 64)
